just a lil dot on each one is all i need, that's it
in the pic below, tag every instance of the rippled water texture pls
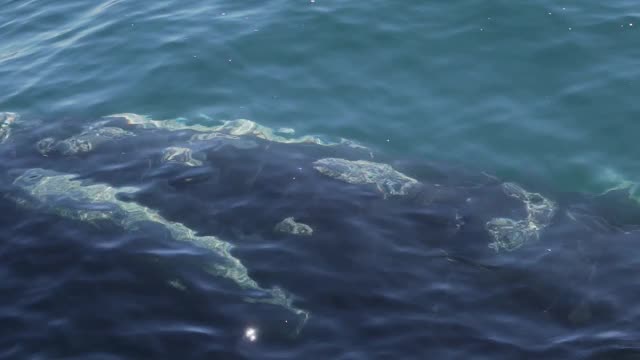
(544, 94)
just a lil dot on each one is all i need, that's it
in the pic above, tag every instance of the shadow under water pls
(383, 255)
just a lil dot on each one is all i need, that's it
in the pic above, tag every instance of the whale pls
(235, 156)
(96, 203)
(243, 181)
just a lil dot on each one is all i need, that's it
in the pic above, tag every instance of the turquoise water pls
(546, 90)
(544, 94)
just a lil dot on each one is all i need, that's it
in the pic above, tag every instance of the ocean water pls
(543, 94)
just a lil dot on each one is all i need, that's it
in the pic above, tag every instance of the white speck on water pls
(251, 334)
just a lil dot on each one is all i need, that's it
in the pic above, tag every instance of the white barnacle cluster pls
(387, 180)
(509, 234)
(238, 127)
(216, 140)
(290, 226)
(84, 142)
(7, 119)
(180, 155)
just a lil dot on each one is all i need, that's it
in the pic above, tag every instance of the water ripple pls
(542, 93)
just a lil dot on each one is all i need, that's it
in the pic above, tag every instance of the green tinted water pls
(541, 91)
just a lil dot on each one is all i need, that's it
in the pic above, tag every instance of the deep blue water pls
(543, 94)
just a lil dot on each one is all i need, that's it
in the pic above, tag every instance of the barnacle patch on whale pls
(217, 140)
(290, 226)
(386, 179)
(510, 234)
(180, 155)
(238, 127)
(84, 142)
(7, 119)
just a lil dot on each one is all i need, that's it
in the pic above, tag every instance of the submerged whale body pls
(239, 180)
(69, 197)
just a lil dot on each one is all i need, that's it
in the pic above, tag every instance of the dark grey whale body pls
(340, 192)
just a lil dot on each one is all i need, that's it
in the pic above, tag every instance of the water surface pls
(542, 93)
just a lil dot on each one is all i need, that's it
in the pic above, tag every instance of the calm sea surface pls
(543, 93)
